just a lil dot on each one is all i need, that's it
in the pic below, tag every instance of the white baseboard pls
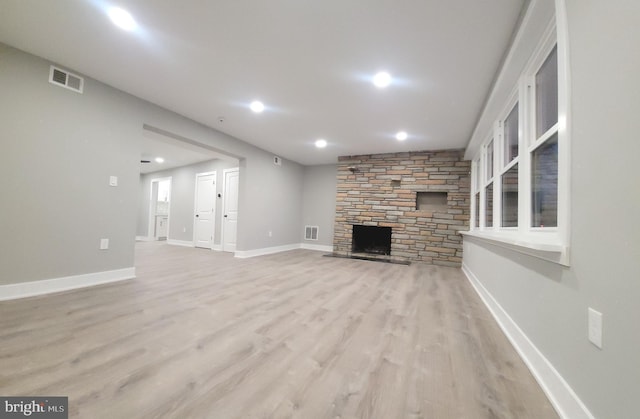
(144, 239)
(318, 247)
(184, 243)
(242, 254)
(48, 286)
(560, 394)
(217, 247)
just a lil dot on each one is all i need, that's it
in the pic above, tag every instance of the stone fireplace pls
(420, 199)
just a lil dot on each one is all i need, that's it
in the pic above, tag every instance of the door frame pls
(195, 205)
(224, 202)
(152, 210)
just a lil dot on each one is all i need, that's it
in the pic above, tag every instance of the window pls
(544, 156)
(544, 184)
(547, 94)
(488, 209)
(520, 188)
(509, 171)
(488, 189)
(511, 135)
(489, 164)
(510, 197)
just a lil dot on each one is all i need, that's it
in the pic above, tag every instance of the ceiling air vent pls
(65, 79)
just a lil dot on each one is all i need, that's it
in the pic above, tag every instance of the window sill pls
(542, 248)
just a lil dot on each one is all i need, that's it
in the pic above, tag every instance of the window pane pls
(490, 160)
(477, 224)
(511, 136)
(510, 197)
(488, 209)
(544, 187)
(547, 94)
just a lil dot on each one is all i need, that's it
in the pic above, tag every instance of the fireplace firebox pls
(371, 239)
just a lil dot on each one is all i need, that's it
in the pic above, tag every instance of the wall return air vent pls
(311, 232)
(65, 79)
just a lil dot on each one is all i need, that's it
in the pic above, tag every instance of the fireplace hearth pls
(371, 239)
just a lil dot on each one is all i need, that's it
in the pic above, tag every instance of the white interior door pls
(205, 207)
(230, 209)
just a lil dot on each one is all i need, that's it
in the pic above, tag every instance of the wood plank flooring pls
(200, 334)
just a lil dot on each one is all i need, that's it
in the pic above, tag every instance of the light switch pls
(113, 180)
(104, 244)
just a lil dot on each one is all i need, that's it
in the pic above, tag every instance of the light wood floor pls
(200, 334)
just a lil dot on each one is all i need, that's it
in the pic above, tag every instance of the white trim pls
(243, 254)
(144, 239)
(217, 247)
(537, 246)
(184, 243)
(564, 119)
(560, 394)
(318, 247)
(49, 286)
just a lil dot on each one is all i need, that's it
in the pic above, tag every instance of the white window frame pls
(549, 243)
(487, 180)
(475, 191)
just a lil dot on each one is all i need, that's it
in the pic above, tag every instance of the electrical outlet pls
(113, 180)
(104, 244)
(595, 327)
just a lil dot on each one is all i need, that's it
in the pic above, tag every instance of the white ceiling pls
(310, 62)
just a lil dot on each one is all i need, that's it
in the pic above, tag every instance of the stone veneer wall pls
(381, 191)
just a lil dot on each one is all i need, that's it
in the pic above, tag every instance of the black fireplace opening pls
(371, 239)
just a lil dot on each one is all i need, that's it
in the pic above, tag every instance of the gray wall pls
(182, 201)
(319, 202)
(59, 149)
(550, 302)
(264, 183)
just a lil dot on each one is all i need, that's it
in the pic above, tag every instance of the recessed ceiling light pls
(382, 79)
(401, 136)
(159, 160)
(257, 106)
(122, 19)
(321, 143)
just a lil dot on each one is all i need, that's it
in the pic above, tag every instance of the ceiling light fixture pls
(321, 143)
(122, 19)
(401, 136)
(257, 106)
(382, 79)
(159, 160)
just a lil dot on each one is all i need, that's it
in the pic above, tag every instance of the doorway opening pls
(197, 218)
(159, 208)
